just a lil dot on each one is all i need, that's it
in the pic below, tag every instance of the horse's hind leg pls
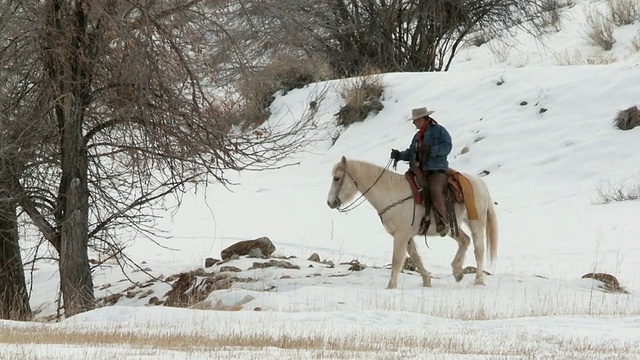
(417, 261)
(477, 232)
(399, 255)
(463, 243)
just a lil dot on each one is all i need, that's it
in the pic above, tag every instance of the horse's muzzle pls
(333, 204)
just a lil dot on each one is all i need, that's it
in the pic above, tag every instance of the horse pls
(391, 195)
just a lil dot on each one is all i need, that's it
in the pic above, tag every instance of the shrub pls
(362, 96)
(258, 89)
(550, 14)
(599, 30)
(602, 60)
(480, 38)
(624, 12)
(627, 119)
(608, 193)
(635, 41)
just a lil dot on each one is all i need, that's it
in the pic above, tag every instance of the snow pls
(546, 168)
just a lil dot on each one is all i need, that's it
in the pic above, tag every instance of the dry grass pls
(635, 42)
(551, 16)
(599, 30)
(602, 60)
(258, 89)
(500, 50)
(362, 96)
(608, 192)
(364, 343)
(624, 12)
(565, 59)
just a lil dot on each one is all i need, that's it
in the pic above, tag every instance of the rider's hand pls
(395, 154)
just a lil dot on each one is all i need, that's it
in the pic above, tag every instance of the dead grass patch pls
(362, 96)
(635, 42)
(365, 343)
(599, 30)
(258, 89)
(608, 192)
(624, 12)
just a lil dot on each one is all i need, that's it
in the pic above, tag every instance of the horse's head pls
(343, 188)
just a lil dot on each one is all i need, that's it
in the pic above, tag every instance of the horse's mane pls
(370, 172)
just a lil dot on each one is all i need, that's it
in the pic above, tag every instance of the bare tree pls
(14, 302)
(126, 90)
(391, 35)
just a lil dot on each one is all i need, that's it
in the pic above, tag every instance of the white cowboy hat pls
(419, 113)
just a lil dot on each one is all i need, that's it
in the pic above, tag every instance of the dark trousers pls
(437, 180)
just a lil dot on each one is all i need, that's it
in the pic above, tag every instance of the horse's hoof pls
(479, 282)
(458, 277)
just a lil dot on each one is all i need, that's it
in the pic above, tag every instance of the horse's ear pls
(344, 160)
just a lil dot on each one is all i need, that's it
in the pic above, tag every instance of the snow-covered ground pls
(546, 171)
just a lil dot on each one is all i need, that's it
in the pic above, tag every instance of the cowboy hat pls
(420, 113)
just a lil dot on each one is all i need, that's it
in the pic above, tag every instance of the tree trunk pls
(70, 70)
(14, 301)
(76, 282)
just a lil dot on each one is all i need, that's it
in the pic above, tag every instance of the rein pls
(396, 203)
(361, 198)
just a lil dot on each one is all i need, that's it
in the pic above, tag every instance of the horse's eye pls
(335, 178)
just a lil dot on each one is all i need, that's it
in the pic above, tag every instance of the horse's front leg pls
(399, 254)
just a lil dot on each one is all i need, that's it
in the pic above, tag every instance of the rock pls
(329, 263)
(473, 270)
(409, 265)
(209, 262)
(314, 257)
(245, 247)
(610, 282)
(145, 294)
(177, 296)
(274, 263)
(230, 269)
(355, 265)
(200, 272)
(255, 253)
(105, 286)
(110, 299)
(153, 300)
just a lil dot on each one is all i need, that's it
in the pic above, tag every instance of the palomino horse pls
(391, 196)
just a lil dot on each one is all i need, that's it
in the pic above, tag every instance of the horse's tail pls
(492, 231)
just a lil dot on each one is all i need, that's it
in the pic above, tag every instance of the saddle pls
(458, 190)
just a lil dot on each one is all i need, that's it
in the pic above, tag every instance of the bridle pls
(361, 198)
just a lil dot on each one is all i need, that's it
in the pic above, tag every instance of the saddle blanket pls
(460, 187)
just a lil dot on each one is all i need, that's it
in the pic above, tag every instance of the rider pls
(428, 154)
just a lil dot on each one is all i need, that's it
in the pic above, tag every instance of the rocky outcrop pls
(609, 282)
(260, 247)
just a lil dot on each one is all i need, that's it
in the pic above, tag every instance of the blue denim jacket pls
(438, 138)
